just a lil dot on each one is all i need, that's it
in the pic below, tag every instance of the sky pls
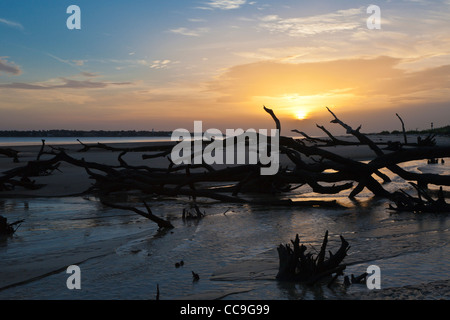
(161, 65)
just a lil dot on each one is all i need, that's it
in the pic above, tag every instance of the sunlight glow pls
(302, 107)
(301, 115)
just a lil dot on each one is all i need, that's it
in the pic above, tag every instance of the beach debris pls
(326, 172)
(10, 153)
(192, 213)
(179, 264)
(195, 276)
(297, 265)
(429, 141)
(157, 292)
(7, 229)
(361, 279)
(403, 128)
(423, 203)
(347, 282)
(20, 176)
(162, 224)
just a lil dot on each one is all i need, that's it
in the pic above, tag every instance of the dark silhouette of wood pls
(8, 229)
(403, 129)
(423, 203)
(195, 181)
(297, 265)
(10, 153)
(193, 213)
(163, 224)
(195, 277)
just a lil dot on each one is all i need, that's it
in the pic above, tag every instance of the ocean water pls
(233, 248)
(34, 141)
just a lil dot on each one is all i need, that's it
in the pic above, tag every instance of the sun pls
(301, 115)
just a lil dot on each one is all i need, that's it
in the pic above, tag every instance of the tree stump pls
(297, 265)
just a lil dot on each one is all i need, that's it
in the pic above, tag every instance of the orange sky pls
(222, 62)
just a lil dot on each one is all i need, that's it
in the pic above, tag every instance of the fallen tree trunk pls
(349, 175)
(10, 153)
(423, 203)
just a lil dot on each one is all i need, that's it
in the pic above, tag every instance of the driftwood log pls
(8, 229)
(10, 153)
(297, 265)
(327, 173)
(162, 224)
(423, 203)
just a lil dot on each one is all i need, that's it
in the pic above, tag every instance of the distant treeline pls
(80, 133)
(443, 130)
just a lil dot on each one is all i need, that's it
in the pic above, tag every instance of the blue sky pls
(163, 64)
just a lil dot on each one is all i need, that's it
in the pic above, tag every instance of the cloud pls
(160, 64)
(88, 74)
(77, 62)
(66, 84)
(190, 32)
(341, 20)
(11, 24)
(196, 20)
(8, 67)
(226, 4)
(363, 79)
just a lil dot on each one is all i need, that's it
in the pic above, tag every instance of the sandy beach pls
(70, 181)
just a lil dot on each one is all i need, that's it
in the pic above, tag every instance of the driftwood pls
(295, 264)
(10, 153)
(162, 224)
(202, 180)
(423, 203)
(8, 229)
(192, 213)
(20, 176)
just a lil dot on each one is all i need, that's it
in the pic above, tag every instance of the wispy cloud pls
(72, 63)
(65, 84)
(160, 64)
(226, 4)
(11, 24)
(196, 20)
(8, 67)
(88, 74)
(190, 32)
(341, 20)
(78, 62)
